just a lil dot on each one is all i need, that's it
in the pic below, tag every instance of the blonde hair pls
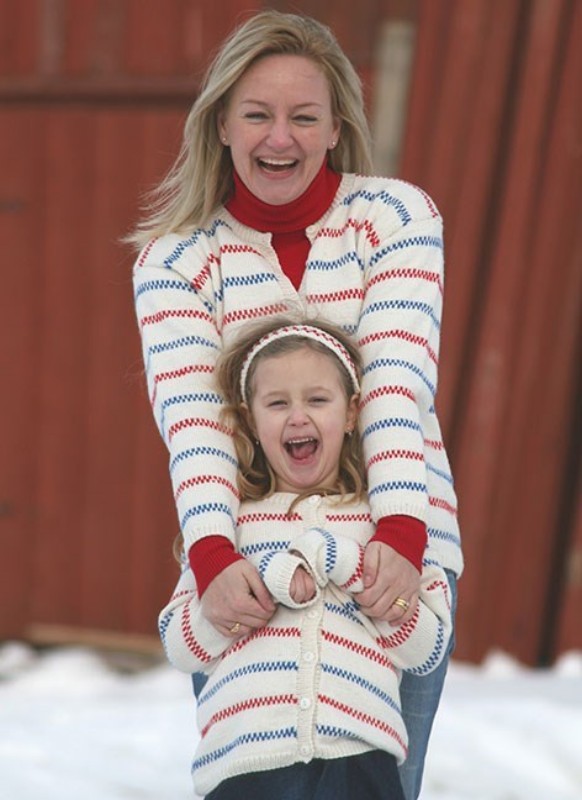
(201, 178)
(256, 479)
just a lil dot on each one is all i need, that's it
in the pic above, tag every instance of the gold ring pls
(235, 628)
(401, 603)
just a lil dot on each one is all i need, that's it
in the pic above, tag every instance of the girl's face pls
(300, 414)
(278, 124)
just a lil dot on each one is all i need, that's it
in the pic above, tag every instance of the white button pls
(305, 750)
(312, 614)
(314, 499)
(305, 703)
(308, 656)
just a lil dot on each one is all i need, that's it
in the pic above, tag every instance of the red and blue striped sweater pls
(375, 267)
(321, 679)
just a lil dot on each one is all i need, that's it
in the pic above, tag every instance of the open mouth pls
(301, 449)
(277, 165)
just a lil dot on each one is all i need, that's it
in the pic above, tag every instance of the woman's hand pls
(237, 601)
(302, 586)
(388, 577)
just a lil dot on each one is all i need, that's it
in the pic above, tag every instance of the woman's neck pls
(289, 217)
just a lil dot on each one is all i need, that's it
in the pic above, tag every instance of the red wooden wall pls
(92, 97)
(495, 134)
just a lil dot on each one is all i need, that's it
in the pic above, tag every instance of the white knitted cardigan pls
(320, 680)
(375, 267)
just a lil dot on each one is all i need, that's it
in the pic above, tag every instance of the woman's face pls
(278, 124)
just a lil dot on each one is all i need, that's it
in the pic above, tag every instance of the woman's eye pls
(305, 119)
(256, 116)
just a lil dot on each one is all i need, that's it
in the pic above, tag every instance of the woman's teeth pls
(275, 165)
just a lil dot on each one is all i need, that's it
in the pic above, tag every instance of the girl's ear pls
(352, 413)
(248, 417)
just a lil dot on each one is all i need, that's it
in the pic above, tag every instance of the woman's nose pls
(280, 133)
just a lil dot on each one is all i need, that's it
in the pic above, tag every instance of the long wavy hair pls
(201, 178)
(256, 479)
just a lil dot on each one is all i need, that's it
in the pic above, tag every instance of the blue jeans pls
(372, 775)
(420, 696)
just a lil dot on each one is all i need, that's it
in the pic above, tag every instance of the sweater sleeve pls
(176, 315)
(331, 557)
(192, 644)
(399, 339)
(419, 646)
(404, 534)
(277, 568)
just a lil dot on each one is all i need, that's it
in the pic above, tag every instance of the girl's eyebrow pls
(283, 392)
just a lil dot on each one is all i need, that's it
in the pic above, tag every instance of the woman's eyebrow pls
(310, 104)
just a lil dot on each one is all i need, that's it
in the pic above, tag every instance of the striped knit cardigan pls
(375, 267)
(320, 680)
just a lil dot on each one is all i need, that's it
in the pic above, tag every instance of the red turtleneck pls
(287, 223)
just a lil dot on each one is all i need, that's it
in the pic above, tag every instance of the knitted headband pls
(306, 332)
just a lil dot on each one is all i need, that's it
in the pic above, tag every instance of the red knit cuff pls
(208, 557)
(407, 535)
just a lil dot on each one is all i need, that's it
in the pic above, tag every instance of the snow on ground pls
(73, 725)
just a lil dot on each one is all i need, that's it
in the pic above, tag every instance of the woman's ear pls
(221, 128)
(337, 126)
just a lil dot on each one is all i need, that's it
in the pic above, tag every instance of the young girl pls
(307, 706)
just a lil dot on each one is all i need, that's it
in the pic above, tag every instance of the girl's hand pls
(302, 586)
(388, 576)
(237, 601)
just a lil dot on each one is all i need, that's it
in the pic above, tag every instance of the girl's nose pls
(298, 415)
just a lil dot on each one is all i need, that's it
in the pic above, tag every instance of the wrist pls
(208, 557)
(407, 535)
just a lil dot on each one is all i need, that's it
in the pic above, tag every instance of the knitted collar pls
(294, 216)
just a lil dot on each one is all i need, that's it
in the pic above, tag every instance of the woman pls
(308, 706)
(267, 210)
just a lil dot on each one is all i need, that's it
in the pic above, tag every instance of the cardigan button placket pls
(308, 665)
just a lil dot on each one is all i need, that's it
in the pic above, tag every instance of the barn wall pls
(93, 95)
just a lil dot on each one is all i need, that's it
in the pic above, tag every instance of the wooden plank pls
(542, 413)
(104, 524)
(568, 633)
(452, 147)
(52, 635)
(467, 211)
(428, 75)
(122, 565)
(63, 252)
(19, 43)
(20, 336)
(483, 446)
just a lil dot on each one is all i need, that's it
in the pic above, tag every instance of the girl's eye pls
(319, 399)
(276, 403)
